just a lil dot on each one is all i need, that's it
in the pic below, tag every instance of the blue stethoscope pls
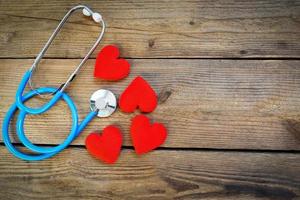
(103, 102)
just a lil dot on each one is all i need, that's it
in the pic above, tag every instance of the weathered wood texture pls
(200, 28)
(73, 174)
(224, 104)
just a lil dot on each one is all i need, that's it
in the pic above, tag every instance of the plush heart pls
(106, 146)
(146, 136)
(108, 66)
(138, 94)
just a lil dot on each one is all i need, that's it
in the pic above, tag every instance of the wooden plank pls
(230, 104)
(156, 29)
(73, 174)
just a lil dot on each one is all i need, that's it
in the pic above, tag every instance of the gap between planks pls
(180, 149)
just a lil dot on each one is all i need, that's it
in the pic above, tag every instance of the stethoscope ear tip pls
(86, 12)
(96, 16)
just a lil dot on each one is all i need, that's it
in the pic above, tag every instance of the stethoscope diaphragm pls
(104, 102)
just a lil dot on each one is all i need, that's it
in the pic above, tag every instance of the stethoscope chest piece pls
(104, 102)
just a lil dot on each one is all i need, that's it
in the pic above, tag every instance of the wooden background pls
(227, 74)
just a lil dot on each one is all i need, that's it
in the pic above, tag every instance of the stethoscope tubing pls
(43, 152)
(20, 100)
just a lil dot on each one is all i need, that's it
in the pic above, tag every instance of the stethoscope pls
(102, 103)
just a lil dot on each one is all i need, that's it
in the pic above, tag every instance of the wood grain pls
(156, 29)
(224, 104)
(73, 174)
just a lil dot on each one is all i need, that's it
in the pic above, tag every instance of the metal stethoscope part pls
(103, 102)
(87, 12)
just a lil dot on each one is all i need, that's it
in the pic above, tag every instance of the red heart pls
(106, 146)
(146, 137)
(138, 94)
(108, 66)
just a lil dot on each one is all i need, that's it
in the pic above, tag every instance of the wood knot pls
(243, 52)
(191, 23)
(164, 94)
(151, 43)
(9, 36)
(293, 126)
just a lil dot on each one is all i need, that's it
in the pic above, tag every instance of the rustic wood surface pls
(227, 75)
(202, 102)
(73, 174)
(199, 28)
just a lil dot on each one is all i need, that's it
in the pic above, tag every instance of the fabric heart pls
(146, 137)
(106, 146)
(138, 94)
(108, 66)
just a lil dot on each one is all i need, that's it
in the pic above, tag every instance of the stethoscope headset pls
(102, 103)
